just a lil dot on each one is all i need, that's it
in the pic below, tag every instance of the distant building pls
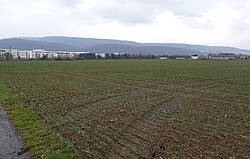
(163, 58)
(180, 58)
(222, 56)
(202, 57)
(38, 53)
(244, 57)
(102, 55)
(23, 54)
(194, 57)
(118, 53)
(2, 52)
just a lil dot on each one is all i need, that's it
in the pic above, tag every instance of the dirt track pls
(10, 146)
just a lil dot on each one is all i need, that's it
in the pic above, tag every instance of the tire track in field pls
(149, 121)
(137, 137)
(130, 149)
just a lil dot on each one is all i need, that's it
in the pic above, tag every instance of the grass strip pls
(39, 139)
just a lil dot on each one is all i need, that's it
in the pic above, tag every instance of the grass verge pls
(38, 138)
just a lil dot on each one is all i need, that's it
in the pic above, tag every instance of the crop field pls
(138, 108)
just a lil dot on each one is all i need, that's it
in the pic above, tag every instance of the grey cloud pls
(197, 22)
(66, 3)
(145, 11)
(129, 12)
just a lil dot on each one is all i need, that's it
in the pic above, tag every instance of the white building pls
(163, 58)
(24, 54)
(2, 52)
(102, 55)
(38, 53)
(194, 57)
(14, 53)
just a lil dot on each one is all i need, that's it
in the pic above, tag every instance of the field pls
(132, 108)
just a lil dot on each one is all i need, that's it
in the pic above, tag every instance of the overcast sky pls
(211, 22)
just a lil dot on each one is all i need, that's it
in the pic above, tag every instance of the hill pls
(23, 44)
(60, 43)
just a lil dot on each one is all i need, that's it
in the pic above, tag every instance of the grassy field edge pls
(39, 139)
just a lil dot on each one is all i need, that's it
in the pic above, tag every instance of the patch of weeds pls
(175, 148)
(11, 100)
